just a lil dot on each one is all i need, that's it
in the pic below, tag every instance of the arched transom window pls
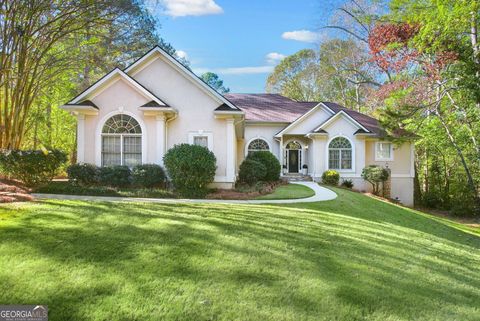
(121, 141)
(258, 145)
(340, 154)
(294, 145)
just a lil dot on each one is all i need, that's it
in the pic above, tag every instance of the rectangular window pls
(334, 159)
(111, 151)
(346, 159)
(383, 151)
(200, 141)
(132, 150)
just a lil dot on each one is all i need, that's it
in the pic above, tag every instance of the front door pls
(293, 161)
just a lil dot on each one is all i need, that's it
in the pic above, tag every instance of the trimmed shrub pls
(83, 174)
(331, 177)
(348, 183)
(375, 175)
(251, 171)
(148, 175)
(32, 167)
(191, 168)
(117, 176)
(271, 163)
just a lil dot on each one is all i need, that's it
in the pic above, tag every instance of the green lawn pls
(288, 191)
(353, 258)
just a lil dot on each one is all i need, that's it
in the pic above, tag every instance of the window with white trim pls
(200, 141)
(256, 145)
(340, 154)
(201, 138)
(383, 151)
(121, 141)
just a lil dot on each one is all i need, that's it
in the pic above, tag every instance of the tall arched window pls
(340, 154)
(256, 145)
(121, 141)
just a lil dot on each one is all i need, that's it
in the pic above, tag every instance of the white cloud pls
(182, 8)
(303, 36)
(274, 57)
(182, 54)
(245, 70)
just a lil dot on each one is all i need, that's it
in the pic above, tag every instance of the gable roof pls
(277, 108)
(187, 72)
(104, 80)
(340, 114)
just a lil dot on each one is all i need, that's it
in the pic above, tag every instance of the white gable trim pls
(105, 80)
(299, 119)
(344, 114)
(328, 108)
(188, 73)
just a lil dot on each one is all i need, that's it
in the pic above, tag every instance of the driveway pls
(321, 194)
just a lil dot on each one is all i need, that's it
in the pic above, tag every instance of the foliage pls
(83, 174)
(67, 188)
(330, 177)
(251, 171)
(148, 175)
(348, 183)
(340, 71)
(32, 167)
(215, 82)
(296, 76)
(375, 175)
(271, 163)
(191, 169)
(117, 176)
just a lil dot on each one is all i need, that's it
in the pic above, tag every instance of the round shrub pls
(148, 175)
(116, 176)
(83, 174)
(330, 177)
(251, 171)
(271, 163)
(190, 168)
(32, 167)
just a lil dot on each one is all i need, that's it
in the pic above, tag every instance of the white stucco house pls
(135, 115)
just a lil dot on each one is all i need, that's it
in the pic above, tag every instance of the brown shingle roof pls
(277, 108)
(154, 104)
(270, 107)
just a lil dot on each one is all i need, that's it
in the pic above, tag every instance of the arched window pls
(121, 141)
(340, 154)
(294, 145)
(256, 145)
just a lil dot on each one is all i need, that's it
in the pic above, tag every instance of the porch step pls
(297, 178)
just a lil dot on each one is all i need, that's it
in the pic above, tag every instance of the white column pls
(80, 138)
(280, 158)
(230, 150)
(360, 155)
(161, 139)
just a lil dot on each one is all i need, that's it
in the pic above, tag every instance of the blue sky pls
(242, 40)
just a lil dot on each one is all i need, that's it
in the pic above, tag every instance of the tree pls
(215, 82)
(45, 44)
(296, 76)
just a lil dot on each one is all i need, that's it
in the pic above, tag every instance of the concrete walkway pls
(321, 194)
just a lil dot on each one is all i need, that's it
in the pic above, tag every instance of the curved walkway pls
(321, 194)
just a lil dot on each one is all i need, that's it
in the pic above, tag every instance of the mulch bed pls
(244, 193)
(13, 191)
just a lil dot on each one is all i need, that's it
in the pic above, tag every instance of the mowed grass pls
(288, 191)
(353, 258)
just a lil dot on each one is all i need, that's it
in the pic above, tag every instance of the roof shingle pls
(277, 108)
